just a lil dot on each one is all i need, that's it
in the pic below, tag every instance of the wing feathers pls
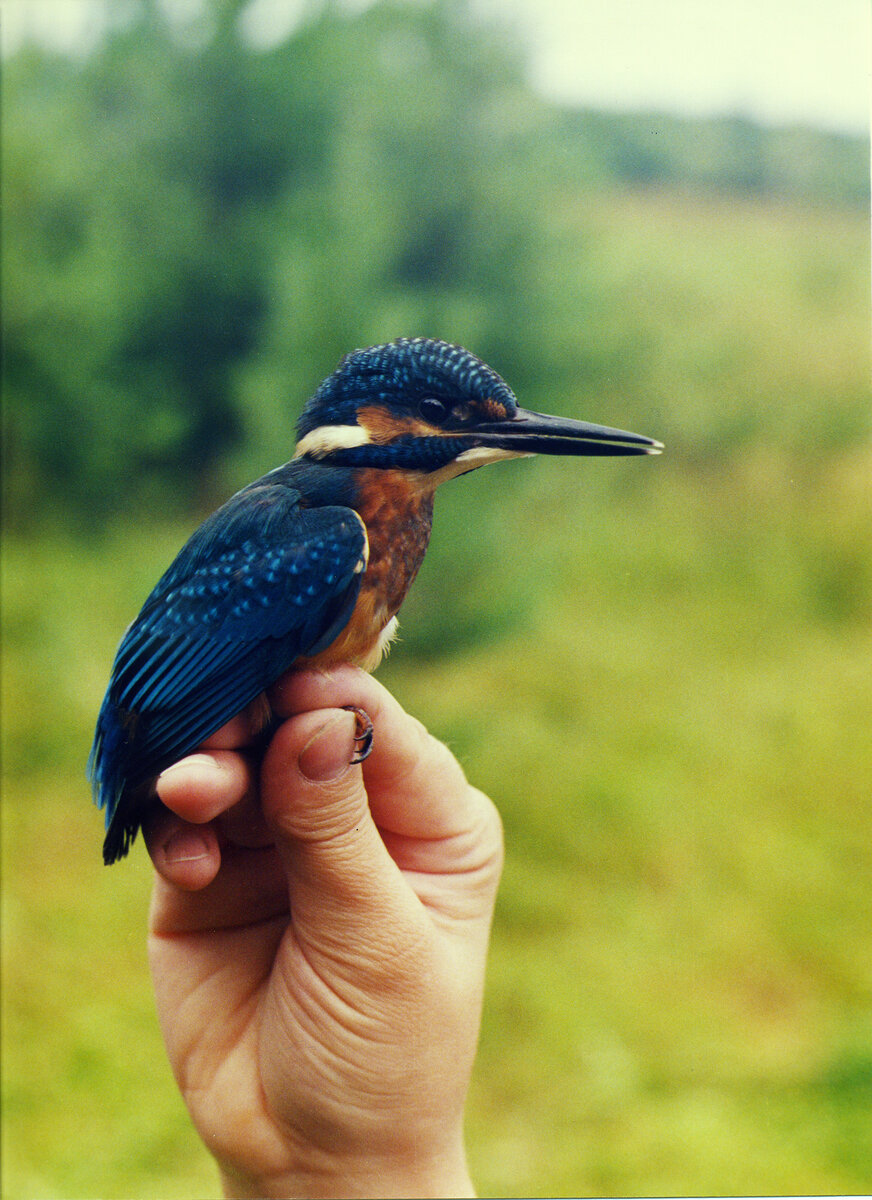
(262, 582)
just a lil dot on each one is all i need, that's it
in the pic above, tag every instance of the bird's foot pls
(364, 736)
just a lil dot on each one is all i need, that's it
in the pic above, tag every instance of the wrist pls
(358, 1184)
(422, 1176)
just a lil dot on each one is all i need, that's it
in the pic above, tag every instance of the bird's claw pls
(363, 738)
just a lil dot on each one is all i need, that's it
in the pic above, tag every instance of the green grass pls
(680, 972)
(660, 671)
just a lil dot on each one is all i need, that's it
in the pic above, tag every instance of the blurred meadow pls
(659, 669)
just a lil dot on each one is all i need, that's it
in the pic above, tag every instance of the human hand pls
(318, 938)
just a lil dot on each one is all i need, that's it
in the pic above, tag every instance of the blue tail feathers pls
(107, 771)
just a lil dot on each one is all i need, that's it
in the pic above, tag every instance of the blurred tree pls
(198, 225)
(127, 296)
(197, 228)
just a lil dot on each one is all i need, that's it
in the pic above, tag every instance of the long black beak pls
(537, 433)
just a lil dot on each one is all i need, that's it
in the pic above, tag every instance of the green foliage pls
(658, 668)
(197, 228)
(196, 233)
(731, 154)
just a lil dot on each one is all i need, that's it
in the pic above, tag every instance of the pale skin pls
(318, 937)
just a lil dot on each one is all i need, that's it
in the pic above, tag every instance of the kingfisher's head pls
(429, 407)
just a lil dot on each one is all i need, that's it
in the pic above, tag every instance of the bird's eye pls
(433, 410)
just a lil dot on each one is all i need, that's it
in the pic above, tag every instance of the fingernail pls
(329, 751)
(187, 845)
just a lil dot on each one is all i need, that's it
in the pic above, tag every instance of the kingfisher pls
(308, 565)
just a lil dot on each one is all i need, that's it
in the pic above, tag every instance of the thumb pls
(345, 890)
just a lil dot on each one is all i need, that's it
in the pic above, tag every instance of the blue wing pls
(263, 581)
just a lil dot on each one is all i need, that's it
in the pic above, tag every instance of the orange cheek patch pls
(383, 426)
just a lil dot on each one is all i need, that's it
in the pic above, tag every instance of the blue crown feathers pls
(399, 374)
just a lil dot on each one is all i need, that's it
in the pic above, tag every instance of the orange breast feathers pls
(398, 514)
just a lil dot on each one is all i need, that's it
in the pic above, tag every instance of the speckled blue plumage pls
(264, 580)
(398, 373)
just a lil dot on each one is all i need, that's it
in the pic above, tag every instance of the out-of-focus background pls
(651, 216)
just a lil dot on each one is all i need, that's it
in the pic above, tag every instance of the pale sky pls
(781, 61)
